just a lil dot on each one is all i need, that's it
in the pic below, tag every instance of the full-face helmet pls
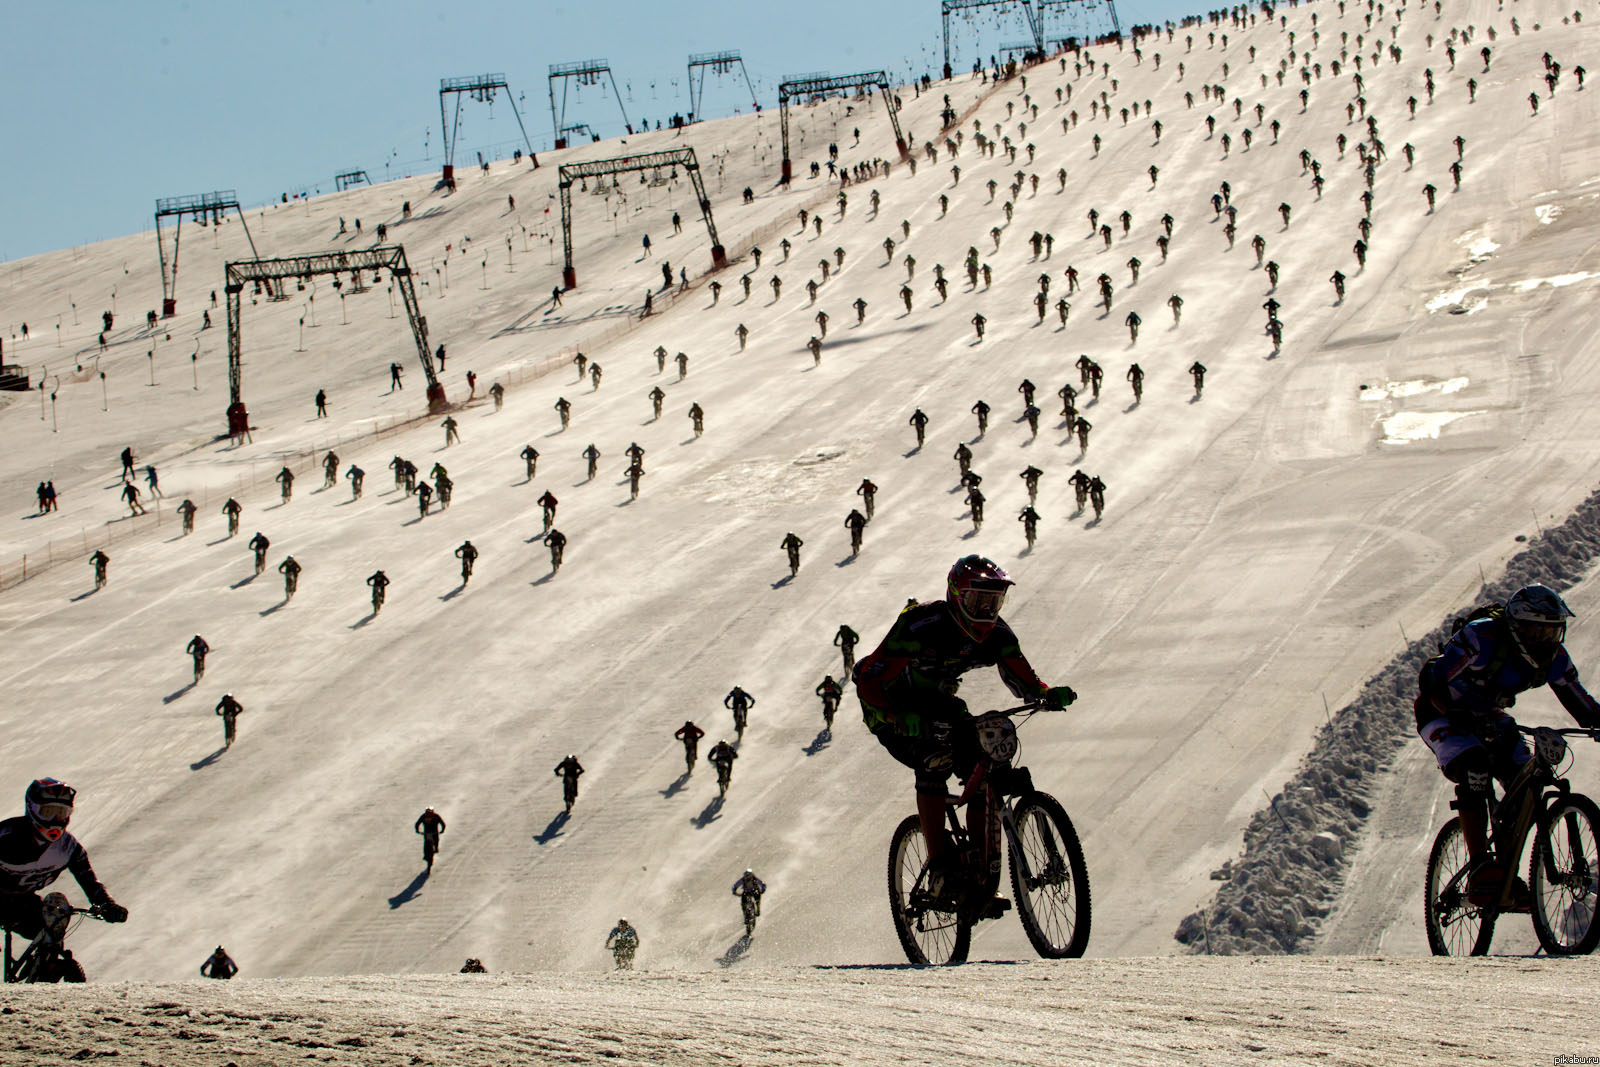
(49, 806)
(975, 592)
(1538, 621)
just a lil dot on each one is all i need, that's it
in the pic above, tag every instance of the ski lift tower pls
(1084, 16)
(586, 72)
(267, 271)
(718, 63)
(349, 179)
(1035, 22)
(204, 208)
(482, 88)
(812, 88)
(571, 172)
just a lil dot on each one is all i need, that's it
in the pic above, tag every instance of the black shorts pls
(946, 744)
(22, 914)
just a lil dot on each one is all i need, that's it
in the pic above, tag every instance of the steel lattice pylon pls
(719, 63)
(1035, 22)
(1087, 8)
(823, 85)
(571, 172)
(391, 258)
(203, 208)
(587, 72)
(482, 87)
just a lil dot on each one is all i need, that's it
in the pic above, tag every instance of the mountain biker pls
(856, 523)
(690, 735)
(198, 649)
(468, 555)
(867, 491)
(569, 769)
(1463, 694)
(556, 541)
(473, 964)
(623, 941)
(430, 824)
(548, 503)
(35, 848)
(721, 757)
(741, 703)
(380, 584)
(831, 694)
(791, 545)
(290, 569)
(846, 639)
(907, 688)
(749, 887)
(219, 965)
(229, 709)
(259, 545)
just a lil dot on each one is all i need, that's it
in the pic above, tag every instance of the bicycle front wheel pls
(929, 936)
(1564, 877)
(1456, 927)
(1050, 879)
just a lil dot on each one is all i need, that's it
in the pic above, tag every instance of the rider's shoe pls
(1484, 884)
(942, 884)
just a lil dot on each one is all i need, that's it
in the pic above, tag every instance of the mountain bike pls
(1563, 864)
(1048, 875)
(750, 906)
(47, 959)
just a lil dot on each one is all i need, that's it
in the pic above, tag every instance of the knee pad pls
(1471, 771)
(1472, 774)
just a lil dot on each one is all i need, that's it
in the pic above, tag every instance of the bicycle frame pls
(1514, 815)
(44, 949)
(998, 783)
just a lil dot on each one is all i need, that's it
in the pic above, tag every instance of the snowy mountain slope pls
(1259, 549)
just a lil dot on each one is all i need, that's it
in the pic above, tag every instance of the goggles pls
(52, 813)
(983, 604)
(1542, 633)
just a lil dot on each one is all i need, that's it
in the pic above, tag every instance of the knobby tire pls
(1455, 926)
(928, 937)
(1053, 901)
(1564, 876)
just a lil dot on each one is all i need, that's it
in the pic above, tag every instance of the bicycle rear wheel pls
(928, 936)
(1050, 879)
(1455, 926)
(1564, 877)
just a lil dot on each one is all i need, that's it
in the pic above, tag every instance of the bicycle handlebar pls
(1031, 706)
(1592, 733)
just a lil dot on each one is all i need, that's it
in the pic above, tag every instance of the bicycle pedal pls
(996, 908)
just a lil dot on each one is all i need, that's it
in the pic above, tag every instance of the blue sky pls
(109, 106)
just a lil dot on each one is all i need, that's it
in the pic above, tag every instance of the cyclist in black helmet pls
(35, 848)
(1463, 696)
(907, 688)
